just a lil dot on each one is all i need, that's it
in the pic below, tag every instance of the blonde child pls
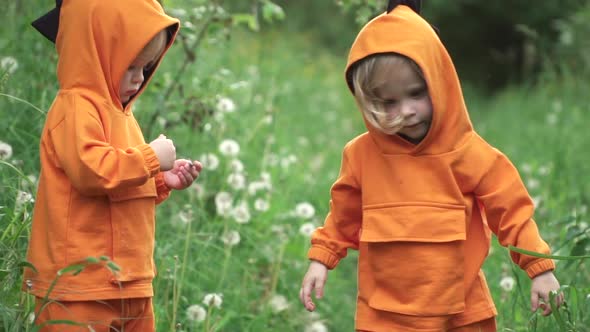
(100, 181)
(418, 193)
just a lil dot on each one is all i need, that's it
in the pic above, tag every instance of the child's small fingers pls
(534, 302)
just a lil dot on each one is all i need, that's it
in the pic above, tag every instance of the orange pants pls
(488, 325)
(128, 315)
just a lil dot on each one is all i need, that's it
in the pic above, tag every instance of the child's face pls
(133, 78)
(404, 94)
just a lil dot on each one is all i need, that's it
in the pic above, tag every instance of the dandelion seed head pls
(241, 213)
(304, 210)
(231, 238)
(209, 161)
(225, 105)
(278, 303)
(9, 64)
(307, 229)
(237, 181)
(23, 197)
(223, 203)
(507, 283)
(261, 205)
(5, 151)
(213, 300)
(316, 327)
(229, 148)
(196, 313)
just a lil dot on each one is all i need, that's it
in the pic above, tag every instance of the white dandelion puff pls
(261, 205)
(223, 203)
(236, 165)
(532, 184)
(209, 161)
(507, 283)
(265, 177)
(316, 327)
(307, 229)
(229, 148)
(198, 189)
(5, 151)
(213, 300)
(207, 127)
(231, 238)
(23, 197)
(186, 216)
(225, 105)
(256, 186)
(9, 64)
(241, 213)
(278, 303)
(304, 210)
(237, 181)
(196, 313)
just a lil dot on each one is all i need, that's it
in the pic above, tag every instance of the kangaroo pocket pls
(415, 257)
(133, 214)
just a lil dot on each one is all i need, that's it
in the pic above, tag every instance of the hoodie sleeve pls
(342, 226)
(509, 211)
(161, 188)
(93, 166)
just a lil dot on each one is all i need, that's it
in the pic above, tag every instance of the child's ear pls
(416, 5)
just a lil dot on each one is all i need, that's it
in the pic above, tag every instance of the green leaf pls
(536, 254)
(113, 267)
(248, 19)
(272, 11)
(29, 265)
(92, 260)
(74, 268)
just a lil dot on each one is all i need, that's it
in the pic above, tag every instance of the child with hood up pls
(418, 192)
(100, 181)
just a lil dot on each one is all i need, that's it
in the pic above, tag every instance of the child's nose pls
(138, 77)
(406, 109)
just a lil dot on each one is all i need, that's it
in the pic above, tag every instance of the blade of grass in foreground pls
(536, 254)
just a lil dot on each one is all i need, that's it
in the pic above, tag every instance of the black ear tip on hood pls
(416, 5)
(48, 24)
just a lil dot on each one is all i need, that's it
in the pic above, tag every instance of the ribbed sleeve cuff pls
(329, 259)
(539, 267)
(161, 188)
(151, 160)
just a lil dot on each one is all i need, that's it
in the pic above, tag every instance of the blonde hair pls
(154, 49)
(365, 86)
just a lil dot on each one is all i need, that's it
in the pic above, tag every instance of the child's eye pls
(389, 102)
(418, 92)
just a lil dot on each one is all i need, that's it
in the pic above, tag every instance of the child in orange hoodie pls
(418, 193)
(100, 181)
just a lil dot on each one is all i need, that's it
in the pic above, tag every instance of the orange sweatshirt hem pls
(135, 289)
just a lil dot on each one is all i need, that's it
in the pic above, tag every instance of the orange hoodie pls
(99, 180)
(417, 213)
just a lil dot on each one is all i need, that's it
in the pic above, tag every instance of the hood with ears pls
(404, 32)
(97, 40)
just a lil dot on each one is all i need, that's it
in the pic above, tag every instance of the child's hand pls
(316, 276)
(182, 174)
(541, 286)
(165, 151)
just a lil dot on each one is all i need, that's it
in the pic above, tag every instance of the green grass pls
(541, 128)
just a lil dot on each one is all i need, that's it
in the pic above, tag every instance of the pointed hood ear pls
(416, 5)
(48, 24)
